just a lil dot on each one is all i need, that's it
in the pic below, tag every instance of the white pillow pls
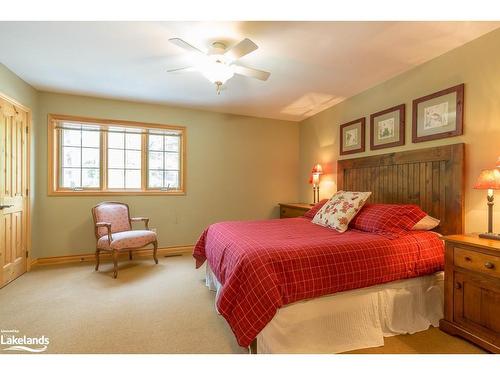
(426, 223)
(341, 209)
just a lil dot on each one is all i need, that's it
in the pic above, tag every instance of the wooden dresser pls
(472, 290)
(293, 209)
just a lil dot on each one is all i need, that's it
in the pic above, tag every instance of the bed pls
(288, 286)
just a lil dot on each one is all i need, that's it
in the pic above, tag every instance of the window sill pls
(71, 193)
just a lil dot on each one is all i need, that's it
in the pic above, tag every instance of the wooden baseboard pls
(90, 257)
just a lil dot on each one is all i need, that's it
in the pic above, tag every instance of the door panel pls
(13, 191)
(477, 305)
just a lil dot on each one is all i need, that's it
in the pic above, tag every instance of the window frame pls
(55, 149)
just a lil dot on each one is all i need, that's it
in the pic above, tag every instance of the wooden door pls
(477, 305)
(13, 191)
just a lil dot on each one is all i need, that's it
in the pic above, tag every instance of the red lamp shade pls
(317, 169)
(488, 179)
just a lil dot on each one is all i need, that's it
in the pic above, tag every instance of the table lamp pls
(316, 172)
(489, 179)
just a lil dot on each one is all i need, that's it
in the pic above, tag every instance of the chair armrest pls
(107, 226)
(145, 219)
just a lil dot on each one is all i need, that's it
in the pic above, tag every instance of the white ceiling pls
(313, 65)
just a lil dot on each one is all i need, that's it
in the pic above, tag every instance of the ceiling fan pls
(218, 64)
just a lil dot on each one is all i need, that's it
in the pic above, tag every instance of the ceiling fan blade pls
(185, 69)
(183, 44)
(241, 49)
(251, 72)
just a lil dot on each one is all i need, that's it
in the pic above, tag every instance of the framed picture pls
(352, 137)
(387, 128)
(438, 115)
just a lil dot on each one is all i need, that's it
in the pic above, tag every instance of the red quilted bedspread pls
(264, 265)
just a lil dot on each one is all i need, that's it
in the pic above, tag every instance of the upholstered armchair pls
(114, 234)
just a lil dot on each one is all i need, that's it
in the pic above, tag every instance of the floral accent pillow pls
(341, 209)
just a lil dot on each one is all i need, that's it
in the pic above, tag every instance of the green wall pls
(477, 64)
(14, 87)
(237, 167)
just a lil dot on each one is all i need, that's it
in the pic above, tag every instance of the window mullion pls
(144, 162)
(124, 161)
(163, 163)
(104, 160)
(59, 160)
(81, 158)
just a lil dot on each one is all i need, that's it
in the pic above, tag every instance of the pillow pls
(340, 209)
(388, 218)
(426, 223)
(310, 214)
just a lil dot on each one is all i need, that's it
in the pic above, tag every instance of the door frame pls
(28, 174)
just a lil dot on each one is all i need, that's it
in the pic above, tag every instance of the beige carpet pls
(162, 308)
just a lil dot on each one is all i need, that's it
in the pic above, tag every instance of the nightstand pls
(472, 290)
(293, 209)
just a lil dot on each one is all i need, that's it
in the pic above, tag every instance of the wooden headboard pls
(432, 178)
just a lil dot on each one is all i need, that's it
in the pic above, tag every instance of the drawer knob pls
(489, 265)
(458, 285)
(468, 259)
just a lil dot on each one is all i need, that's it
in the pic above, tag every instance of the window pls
(105, 157)
(163, 161)
(124, 159)
(80, 161)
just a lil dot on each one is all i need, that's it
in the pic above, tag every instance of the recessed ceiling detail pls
(314, 64)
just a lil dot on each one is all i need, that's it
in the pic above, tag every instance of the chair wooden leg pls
(155, 250)
(130, 255)
(115, 262)
(97, 251)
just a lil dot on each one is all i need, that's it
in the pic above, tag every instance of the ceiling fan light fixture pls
(218, 65)
(217, 72)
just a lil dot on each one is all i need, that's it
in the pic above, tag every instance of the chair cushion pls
(114, 213)
(127, 240)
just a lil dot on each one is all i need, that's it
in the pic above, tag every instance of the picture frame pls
(387, 128)
(352, 137)
(438, 115)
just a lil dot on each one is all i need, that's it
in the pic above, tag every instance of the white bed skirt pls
(355, 319)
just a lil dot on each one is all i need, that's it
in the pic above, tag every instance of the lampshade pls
(488, 179)
(317, 169)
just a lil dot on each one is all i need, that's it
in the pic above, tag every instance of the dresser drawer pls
(475, 261)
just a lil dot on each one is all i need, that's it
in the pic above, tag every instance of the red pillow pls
(387, 218)
(312, 212)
